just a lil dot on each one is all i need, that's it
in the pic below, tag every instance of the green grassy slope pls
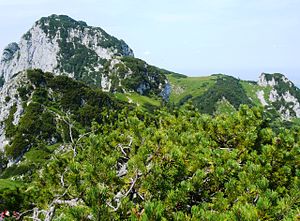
(252, 88)
(144, 102)
(184, 87)
(213, 93)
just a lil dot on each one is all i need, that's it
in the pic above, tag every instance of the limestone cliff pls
(283, 95)
(62, 45)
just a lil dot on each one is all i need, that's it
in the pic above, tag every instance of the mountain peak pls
(284, 95)
(62, 45)
(62, 19)
(266, 79)
(60, 23)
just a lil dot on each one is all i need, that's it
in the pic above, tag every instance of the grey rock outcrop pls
(284, 96)
(8, 99)
(9, 51)
(62, 45)
(54, 41)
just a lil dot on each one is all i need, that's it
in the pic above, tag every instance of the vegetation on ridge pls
(173, 165)
(56, 101)
(207, 93)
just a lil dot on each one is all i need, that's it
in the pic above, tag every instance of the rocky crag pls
(64, 46)
(282, 94)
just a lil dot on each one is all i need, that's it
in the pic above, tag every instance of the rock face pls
(37, 52)
(58, 43)
(166, 91)
(62, 45)
(9, 99)
(261, 97)
(9, 51)
(284, 96)
(265, 80)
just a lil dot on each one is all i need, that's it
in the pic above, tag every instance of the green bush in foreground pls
(173, 166)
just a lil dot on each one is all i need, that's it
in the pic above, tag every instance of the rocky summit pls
(64, 46)
(56, 42)
(282, 94)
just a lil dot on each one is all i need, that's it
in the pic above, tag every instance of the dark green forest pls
(226, 87)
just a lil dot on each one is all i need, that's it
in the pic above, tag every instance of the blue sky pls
(193, 37)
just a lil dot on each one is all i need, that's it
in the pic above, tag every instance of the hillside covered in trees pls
(174, 164)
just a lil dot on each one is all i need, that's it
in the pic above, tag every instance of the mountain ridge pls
(114, 138)
(45, 40)
(123, 75)
(260, 92)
